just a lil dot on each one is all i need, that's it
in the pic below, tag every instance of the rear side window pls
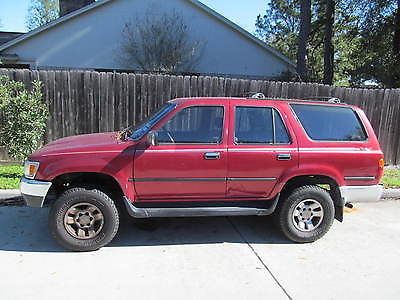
(259, 125)
(330, 123)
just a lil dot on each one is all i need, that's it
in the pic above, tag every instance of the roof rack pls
(328, 99)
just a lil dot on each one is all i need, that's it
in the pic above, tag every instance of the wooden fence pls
(85, 102)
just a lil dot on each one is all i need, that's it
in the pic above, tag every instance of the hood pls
(82, 143)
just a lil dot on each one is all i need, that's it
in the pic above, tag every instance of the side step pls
(163, 212)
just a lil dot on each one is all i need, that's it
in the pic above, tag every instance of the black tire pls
(290, 224)
(83, 197)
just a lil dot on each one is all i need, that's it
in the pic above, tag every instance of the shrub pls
(23, 117)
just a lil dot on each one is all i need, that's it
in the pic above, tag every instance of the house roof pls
(6, 36)
(196, 3)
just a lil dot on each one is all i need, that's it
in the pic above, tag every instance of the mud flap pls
(339, 213)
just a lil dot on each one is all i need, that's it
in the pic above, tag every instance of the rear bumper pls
(34, 191)
(354, 194)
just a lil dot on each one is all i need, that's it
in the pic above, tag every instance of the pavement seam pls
(259, 258)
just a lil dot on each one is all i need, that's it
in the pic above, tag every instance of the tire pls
(83, 219)
(306, 215)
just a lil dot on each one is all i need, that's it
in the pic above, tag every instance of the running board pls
(163, 212)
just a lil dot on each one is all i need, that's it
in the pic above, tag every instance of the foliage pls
(10, 176)
(159, 44)
(41, 12)
(23, 117)
(391, 177)
(363, 39)
(377, 61)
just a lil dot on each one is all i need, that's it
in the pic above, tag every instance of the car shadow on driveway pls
(25, 229)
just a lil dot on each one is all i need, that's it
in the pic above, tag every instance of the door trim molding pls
(202, 179)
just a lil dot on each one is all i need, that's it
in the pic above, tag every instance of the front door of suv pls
(190, 161)
(260, 150)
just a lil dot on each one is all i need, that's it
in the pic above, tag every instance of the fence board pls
(87, 102)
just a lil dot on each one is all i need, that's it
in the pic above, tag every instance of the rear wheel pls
(83, 219)
(306, 215)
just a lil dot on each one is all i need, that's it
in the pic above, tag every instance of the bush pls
(23, 117)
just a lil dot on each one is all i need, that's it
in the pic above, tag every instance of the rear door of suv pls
(261, 147)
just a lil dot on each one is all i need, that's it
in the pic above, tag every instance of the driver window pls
(194, 125)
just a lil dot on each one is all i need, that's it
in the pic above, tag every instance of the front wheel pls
(306, 215)
(83, 219)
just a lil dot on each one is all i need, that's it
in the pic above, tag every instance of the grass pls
(391, 177)
(10, 176)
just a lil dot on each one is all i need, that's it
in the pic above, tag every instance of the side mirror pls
(152, 138)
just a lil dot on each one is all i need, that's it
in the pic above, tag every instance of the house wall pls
(91, 40)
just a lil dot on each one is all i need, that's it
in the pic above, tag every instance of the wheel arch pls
(104, 182)
(326, 182)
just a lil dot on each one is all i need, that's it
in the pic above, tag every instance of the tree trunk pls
(328, 45)
(396, 37)
(305, 24)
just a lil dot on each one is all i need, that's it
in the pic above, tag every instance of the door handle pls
(284, 156)
(212, 155)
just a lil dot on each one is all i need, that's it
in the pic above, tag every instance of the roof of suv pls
(327, 101)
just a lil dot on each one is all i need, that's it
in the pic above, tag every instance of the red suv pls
(300, 160)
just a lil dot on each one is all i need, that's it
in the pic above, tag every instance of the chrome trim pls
(160, 212)
(367, 193)
(212, 155)
(359, 178)
(284, 156)
(251, 179)
(201, 179)
(34, 191)
(173, 179)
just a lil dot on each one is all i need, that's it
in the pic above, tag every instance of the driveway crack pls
(259, 258)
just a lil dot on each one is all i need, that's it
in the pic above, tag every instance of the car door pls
(260, 149)
(190, 161)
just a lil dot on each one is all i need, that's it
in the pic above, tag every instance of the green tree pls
(379, 32)
(23, 117)
(41, 12)
(350, 41)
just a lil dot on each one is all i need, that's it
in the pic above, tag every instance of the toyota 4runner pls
(300, 160)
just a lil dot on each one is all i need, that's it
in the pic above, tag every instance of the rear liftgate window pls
(330, 123)
(259, 125)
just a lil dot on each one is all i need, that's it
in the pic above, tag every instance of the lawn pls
(10, 176)
(391, 177)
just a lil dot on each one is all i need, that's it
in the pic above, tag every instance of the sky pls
(243, 13)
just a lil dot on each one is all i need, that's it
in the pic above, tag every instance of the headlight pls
(30, 169)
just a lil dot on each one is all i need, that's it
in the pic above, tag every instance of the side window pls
(253, 125)
(259, 125)
(194, 125)
(281, 134)
(330, 123)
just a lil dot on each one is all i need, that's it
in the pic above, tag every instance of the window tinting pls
(281, 134)
(330, 123)
(195, 124)
(255, 125)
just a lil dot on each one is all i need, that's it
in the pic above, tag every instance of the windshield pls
(138, 131)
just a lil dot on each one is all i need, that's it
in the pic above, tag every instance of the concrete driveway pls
(205, 258)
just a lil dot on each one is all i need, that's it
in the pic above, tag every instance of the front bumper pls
(34, 191)
(354, 194)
